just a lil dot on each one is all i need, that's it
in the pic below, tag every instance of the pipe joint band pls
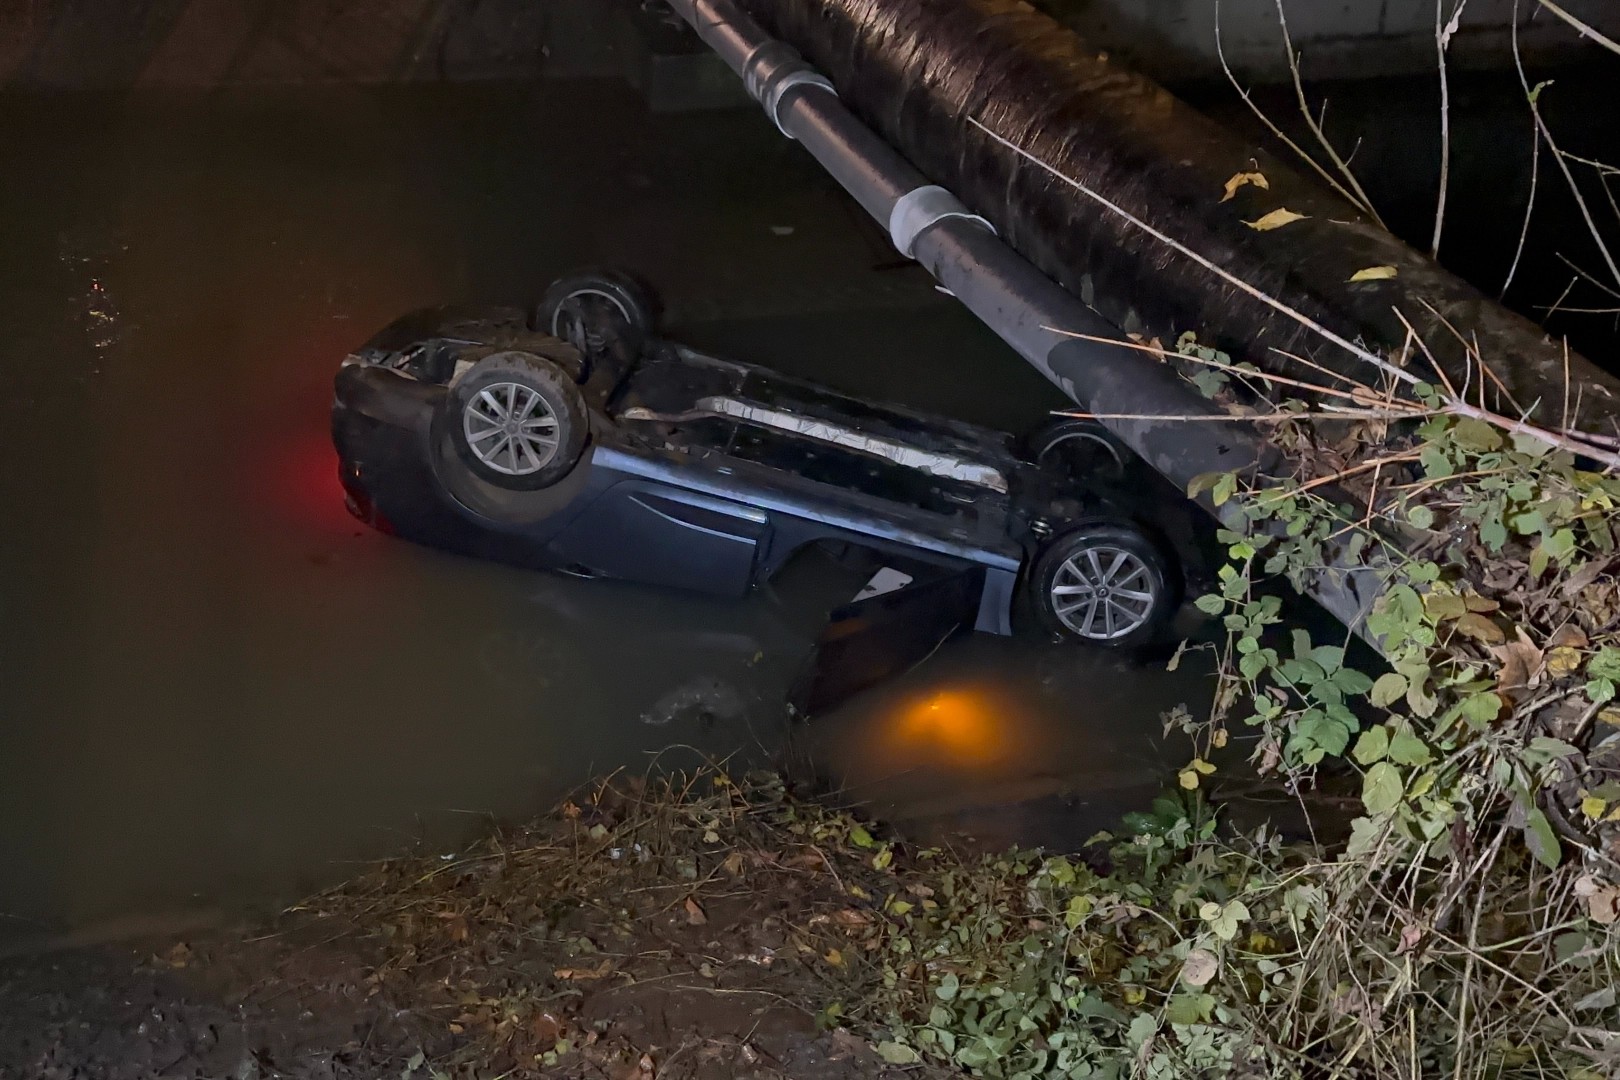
(805, 76)
(921, 208)
(774, 68)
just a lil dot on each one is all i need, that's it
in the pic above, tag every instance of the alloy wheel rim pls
(1103, 593)
(511, 429)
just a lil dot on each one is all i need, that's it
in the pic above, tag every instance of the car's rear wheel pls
(1105, 583)
(516, 420)
(598, 312)
(1083, 450)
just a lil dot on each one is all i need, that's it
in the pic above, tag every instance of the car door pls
(642, 530)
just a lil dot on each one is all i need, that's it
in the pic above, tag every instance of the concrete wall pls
(1175, 40)
(203, 44)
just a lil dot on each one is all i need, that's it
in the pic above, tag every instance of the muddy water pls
(217, 691)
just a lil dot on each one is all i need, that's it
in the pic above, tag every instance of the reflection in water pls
(955, 727)
(993, 721)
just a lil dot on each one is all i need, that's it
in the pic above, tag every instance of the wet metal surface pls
(216, 689)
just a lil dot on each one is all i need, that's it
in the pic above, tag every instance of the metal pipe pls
(1017, 301)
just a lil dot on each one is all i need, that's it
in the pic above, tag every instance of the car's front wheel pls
(516, 420)
(1106, 583)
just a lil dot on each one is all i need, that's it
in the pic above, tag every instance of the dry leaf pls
(851, 917)
(1275, 220)
(1564, 660)
(1374, 273)
(834, 957)
(179, 956)
(694, 912)
(1602, 901)
(733, 864)
(1481, 629)
(1521, 663)
(1258, 179)
(1199, 967)
(1583, 577)
(584, 974)
(1569, 634)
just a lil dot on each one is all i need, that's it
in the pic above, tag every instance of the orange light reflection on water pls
(961, 726)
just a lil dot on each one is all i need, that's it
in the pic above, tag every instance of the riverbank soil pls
(687, 931)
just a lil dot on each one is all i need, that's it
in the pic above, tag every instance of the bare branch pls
(1360, 201)
(1584, 30)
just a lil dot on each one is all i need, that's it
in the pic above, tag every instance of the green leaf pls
(860, 837)
(1189, 1008)
(1436, 465)
(1606, 664)
(1476, 436)
(1529, 522)
(1541, 840)
(948, 987)
(1329, 658)
(1352, 681)
(1407, 749)
(1372, 746)
(1224, 488)
(1224, 919)
(1202, 483)
(1419, 701)
(1420, 516)
(1302, 644)
(1382, 788)
(897, 1053)
(1389, 688)
(1481, 709)
(1492, 532)
(1600, 691)
(1211, 604)
(1560, 544)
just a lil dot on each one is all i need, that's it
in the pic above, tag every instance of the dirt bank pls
(623, 937)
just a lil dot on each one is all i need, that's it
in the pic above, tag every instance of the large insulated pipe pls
(925, 74)
(1016, 300)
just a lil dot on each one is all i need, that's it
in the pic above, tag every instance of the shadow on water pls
(218, 691)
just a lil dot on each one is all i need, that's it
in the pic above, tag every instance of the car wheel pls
(1106, 583)
(1081, 449)
(598, 310)
(516, 420)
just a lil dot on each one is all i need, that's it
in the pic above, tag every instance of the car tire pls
(1083, 449)
(516, 421)
(1139, 588)
(598, 311)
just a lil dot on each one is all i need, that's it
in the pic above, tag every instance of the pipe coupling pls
(773, 69)
(922, 207)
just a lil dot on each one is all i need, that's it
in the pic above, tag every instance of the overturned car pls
(574, 438)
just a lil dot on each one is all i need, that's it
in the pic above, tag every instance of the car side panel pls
(658, 533)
